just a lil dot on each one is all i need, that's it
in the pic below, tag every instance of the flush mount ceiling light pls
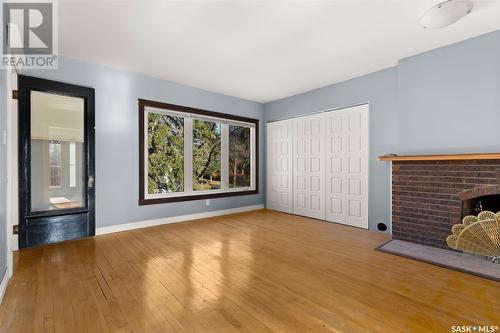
(445, 13)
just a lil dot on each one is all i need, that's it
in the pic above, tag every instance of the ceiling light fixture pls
(445, 13)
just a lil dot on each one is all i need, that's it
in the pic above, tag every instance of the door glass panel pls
(57, 151)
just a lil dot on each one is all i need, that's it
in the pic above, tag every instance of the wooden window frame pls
(144, 200)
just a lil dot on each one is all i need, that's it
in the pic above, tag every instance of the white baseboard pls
(173, 219)
(3, 284)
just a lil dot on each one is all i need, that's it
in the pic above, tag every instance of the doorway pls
(56, 161)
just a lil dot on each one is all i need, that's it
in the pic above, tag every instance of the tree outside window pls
(192, 153)
(239, 156)
(165, 153)
(206, 155)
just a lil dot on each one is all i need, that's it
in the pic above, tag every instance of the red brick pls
(427, 196)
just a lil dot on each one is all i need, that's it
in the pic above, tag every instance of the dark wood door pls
(56, 161)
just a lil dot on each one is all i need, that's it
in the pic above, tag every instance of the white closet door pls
(347, 158)
(309, 166)
(279, 166)
(335, 166)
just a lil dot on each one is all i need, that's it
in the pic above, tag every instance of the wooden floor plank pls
(259, 271)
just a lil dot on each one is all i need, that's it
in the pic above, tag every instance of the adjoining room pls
(253, 166)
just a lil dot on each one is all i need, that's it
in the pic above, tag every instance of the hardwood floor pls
(260, 271)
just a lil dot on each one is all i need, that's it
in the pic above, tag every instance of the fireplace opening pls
(475, 206)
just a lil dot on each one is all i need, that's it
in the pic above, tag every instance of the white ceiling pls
(258, 50)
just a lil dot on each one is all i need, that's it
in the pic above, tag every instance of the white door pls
(309, 166)
(279, 166)
(335, 123)
(347, 158)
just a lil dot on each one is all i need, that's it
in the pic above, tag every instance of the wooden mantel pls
(450, 157)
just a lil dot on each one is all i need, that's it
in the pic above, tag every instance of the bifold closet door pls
(309, 166)
(347, 166)
(279, 166)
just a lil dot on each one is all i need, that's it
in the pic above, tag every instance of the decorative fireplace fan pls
(478, 235)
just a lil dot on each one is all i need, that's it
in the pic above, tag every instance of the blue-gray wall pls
(117, 138)
(442, 101)
(3, 172)
(449, 98)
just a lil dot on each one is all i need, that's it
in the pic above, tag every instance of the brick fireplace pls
(430, 195)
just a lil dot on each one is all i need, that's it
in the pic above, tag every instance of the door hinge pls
(15, 94)
(15, 229)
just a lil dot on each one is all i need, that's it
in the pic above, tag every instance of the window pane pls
(57, 124)
(206, 155)
(55, 163)
(72, 164)
(239, 156)
(165, 153)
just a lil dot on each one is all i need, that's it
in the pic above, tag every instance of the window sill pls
(154, 201)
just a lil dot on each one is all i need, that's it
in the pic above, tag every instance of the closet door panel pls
(347, 166)
(300, 167)
(317, 167)
(309, 167)
(335, 168)
(279, 166)
(357, 171)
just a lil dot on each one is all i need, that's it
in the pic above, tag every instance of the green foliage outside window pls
(165, 153)
(239, 156)
(206, 155)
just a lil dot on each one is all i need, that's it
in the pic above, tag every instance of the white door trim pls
(320, 111)
(12, 170)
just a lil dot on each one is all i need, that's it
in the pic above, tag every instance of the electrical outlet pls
(207, 202)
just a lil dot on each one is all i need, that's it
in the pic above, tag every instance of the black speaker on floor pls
(382, 227)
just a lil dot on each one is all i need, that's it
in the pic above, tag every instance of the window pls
(55, 163)
(206, 155)
(165, 153)
(72, 164)
(190, 154)
(239, 156)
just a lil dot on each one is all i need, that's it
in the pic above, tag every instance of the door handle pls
(90, 182)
